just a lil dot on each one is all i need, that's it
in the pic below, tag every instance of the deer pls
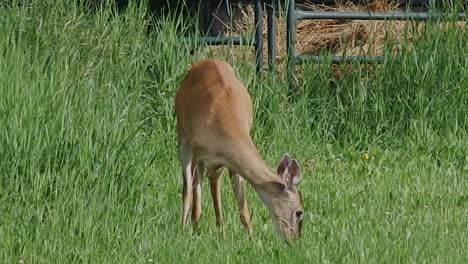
(214, 116)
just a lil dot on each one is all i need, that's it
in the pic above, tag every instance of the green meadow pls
(89, 171)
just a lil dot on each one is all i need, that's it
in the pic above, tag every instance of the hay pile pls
(352, 37)
(338, 37)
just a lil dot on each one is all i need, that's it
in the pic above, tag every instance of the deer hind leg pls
(196, 209)
(215, 187)
(239, 194)
(185, 157)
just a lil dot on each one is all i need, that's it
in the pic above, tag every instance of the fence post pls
(259, 35)
(271, 33)
(290, 33)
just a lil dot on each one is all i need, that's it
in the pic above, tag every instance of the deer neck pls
(246, 161)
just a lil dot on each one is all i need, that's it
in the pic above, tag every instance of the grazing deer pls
(214, 118)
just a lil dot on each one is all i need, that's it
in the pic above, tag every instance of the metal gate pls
(293, 15)
(257, 40)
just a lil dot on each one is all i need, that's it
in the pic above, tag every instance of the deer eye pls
(299, 214)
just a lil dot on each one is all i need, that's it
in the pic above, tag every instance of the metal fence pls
(293, 15)
(256, 40)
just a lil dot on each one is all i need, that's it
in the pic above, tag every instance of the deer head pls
(284, 200)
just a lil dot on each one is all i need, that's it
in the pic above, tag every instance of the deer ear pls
(292, 176)
(283, 165)
(273, 187)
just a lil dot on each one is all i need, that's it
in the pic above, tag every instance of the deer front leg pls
(238, 188)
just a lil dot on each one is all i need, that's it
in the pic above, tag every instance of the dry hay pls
(352, 37)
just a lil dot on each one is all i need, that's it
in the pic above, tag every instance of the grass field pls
(89, 171)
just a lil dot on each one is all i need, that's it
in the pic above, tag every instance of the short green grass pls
(89, 171)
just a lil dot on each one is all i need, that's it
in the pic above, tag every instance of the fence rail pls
(303, 15)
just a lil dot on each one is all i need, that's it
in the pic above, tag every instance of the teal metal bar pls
(336, 60)
(259, 35)
(217, 41)
(302, 15)
(290, 34)
(271, 9)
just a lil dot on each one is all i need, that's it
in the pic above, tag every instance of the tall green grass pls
(89, 170)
